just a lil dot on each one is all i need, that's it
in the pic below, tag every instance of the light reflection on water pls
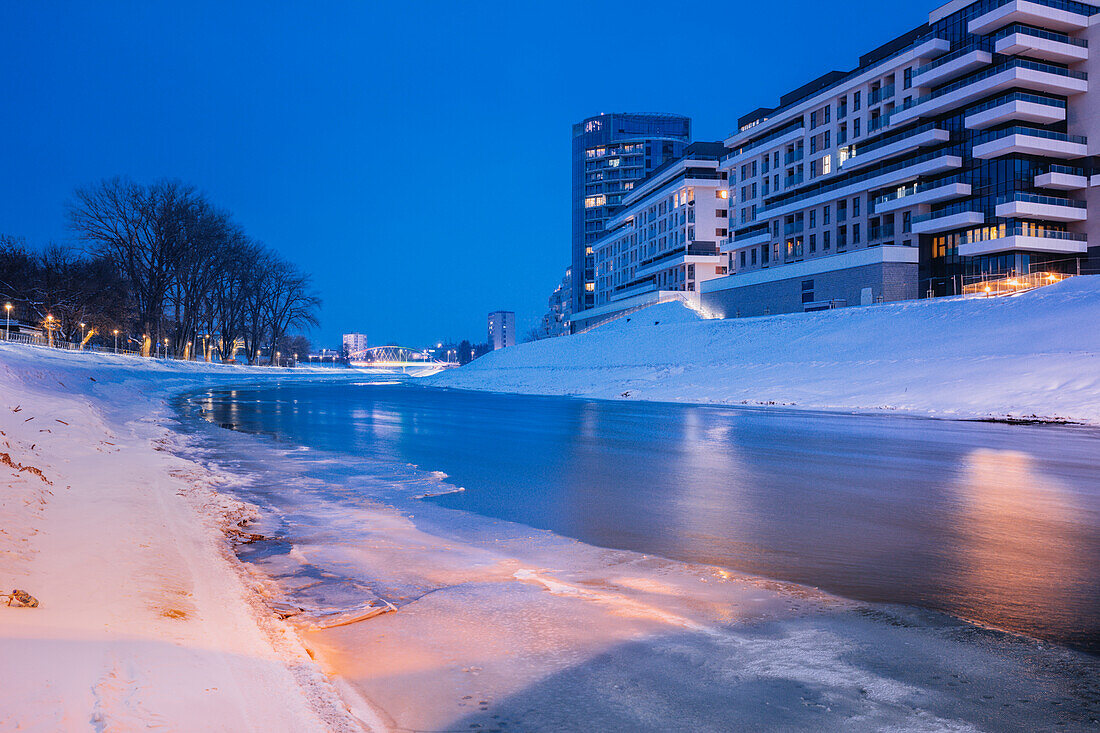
(999, 524)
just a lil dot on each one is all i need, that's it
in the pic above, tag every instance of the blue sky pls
(414, 157)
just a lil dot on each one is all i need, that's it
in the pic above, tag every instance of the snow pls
(1032, 354)
(146, 618)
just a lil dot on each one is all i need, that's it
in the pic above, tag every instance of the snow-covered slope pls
(1036, 353)
(146, 620)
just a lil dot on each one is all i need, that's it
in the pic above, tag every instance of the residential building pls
(557, 320)
(664, 238)
(354, 342)
(502, 329)
(611, 153)
(957, 151)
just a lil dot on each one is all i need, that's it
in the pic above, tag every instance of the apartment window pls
(776, 162)
(855, 127)
(813, 120)
(807, 291)
(721, 213)
(742, 258)
(764, 166)
(841, 237)
(826, 165)
(828, 108)
(828, 137)
(855, 206)
(825, 240)
(721, 194)
(764, 254)
(753, 256)
(813, 242)
(775, 228)
(841, 211)
(813, 218)
(842, 109)
(907, 82)
(855, 101)
(906, 222)
(765, 187)
(744, 171)
(825, 215)
(855, 234)
(720, 232)
(753, 168)
(813, 144)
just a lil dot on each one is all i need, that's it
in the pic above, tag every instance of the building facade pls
(354, 342)
(664, 238)
(502, 329)
(960, 150)
(611, 153)
(558, 317)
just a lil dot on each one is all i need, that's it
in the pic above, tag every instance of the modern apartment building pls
(558, 317)
(664, 238)
(959, 150)
(611, 153)
(502, 329)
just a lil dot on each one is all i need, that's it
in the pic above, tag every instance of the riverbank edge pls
(124, 407)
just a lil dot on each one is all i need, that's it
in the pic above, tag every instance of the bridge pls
(394, 358)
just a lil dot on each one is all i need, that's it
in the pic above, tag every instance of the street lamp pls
(82, 337)
(165, 348)
(116, 340)
(7, 331)
(49, 329)
(277, 355)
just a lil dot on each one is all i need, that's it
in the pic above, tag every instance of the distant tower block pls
(502, 329)
(354, 342)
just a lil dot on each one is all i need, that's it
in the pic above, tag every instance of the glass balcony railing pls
(992, 135)
(966, 207)
(917, 188)
(881, 232)
(1016, 97)
(948, 58)
(794, 156)
(877, 95)
(1019, 229)
(1034, 198)
(795, 227)
(1015, 63)
(1067, 5)
(891, 139)
(1064, 169)
(766, 139)
(1028, 30)
(793, 180)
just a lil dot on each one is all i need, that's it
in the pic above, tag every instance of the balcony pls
(879, 233)
(749, 239)
(923, 136)
(757, 146)
(928, 164)
(794, 156)
(1031, 13)
(953, 217)
(951, 66)
(795, 227)
(1020, 237)
(1016, 106)
(1017, 73)
(794, 180)
(877, 95)
(923, 194)
(1033, 206)
(1030, 141)
(1062, 178)
(1022, 40)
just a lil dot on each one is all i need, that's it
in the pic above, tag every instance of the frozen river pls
(998, 524)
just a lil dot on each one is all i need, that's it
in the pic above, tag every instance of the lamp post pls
(277, 355)
(7, 331)
(116, 340)
(49, 329)
(165, 348)
(82, 337)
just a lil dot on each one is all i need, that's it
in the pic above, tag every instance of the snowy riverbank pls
(1033, 354)
(146, 619)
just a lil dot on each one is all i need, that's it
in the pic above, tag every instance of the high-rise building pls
(611, 153)
(958, 151)
(665, 239)
(502, 329)
(354, 342)
(557, 320)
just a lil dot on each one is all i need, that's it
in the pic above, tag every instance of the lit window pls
(722, 194)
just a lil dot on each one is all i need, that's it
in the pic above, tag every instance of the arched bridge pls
(396, 357)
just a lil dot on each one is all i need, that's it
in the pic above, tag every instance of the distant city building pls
(502, 329)
(666, 237)
(556, 322)
(957, 152)
(354, 342)
(611, 153)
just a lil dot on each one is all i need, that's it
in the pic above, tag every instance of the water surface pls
(998, 524)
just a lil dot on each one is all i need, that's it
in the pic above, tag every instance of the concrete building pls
(558, 317)
(502, 329)
(611, 153)
(664, 240)
(958, 151)
(354, 342)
